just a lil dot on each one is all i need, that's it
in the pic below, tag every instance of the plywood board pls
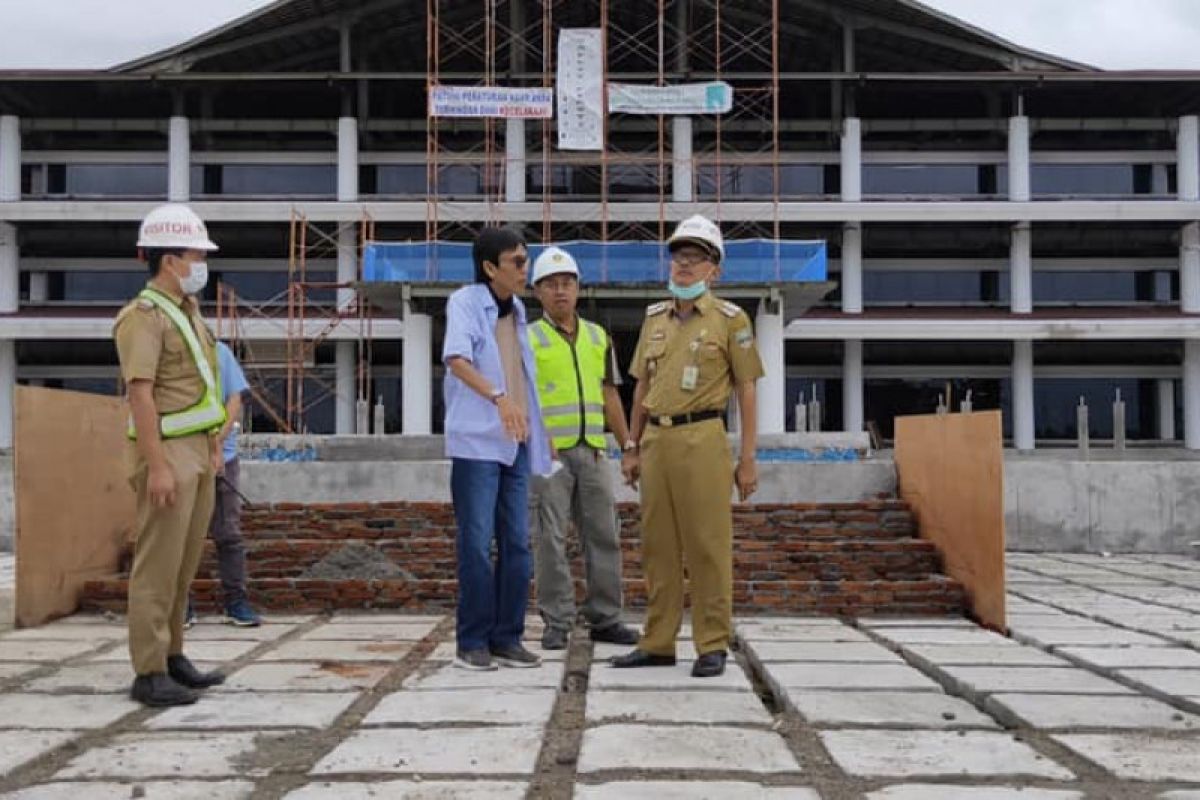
(951, 471)
(75, 506)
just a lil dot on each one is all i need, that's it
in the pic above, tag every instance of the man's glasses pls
(689, 259)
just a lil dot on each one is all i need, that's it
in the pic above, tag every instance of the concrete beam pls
(990, 329)
(100, 327)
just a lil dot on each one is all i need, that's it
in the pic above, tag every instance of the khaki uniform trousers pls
(687, 485)
(166, 552)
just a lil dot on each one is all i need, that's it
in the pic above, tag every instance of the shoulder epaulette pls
(729, 309)
(657, 308)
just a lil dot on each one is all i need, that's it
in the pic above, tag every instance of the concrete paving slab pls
(372, 632)
(218, 651)
(18, 748)
(603, 651)
(834, 676)
(939, 791)
(92, 678)
(1106, 637)
(441, 751)
(1073, 711)
(977, 682)
(1183, 794)
(916, 622)
(169, 755)
(319, 676)
(481, 706)
(62, 712)
(216, 711)
(15, 669)
(147, 790)
(952, 635)
(1009, 654)
(677, 677)
(801, 632)
(59, 632)
(875, 753)
(43, 651)
(848, 652)
(549, 674)
(684, 747)
(690, 790)
(1139, 756)
(301, 650)
(412, 790)
(385, 618)
(446, 650)
(1020, 621)
(1136, 656)
(702, 707)
(887, 709)
(1182, 682)
(263, 633)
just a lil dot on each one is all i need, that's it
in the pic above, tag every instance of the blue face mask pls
(687, 292)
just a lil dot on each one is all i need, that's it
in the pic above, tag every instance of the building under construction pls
(998, 221)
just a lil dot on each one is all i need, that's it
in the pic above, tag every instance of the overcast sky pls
(1114, 34)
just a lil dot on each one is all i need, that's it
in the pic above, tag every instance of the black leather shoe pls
(709, 665)
(555, 639)
(614, 634)
(640, 658)
(158, 689)
(185, 673)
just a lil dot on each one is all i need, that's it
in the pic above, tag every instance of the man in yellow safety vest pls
(577, 379)
(168, 362)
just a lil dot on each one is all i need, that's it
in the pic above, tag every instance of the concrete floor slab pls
(1057, 620)
(316, 676)
(1008, 654)
(63, 711)
(951, 635)
(15, 669)
(834, 676)
(800, 632)
(937, 791)
(93, 678)
(301, 650)
(412, 790)
(441, 751)
(603, 651)
(1139, 756)
(448, 676)
(1136, 656)
(848, 652)
(216, 651)
(1182, 794)
(677, 677)
(18, 748)
(215, 711)
(887, 709)
(147, 790)
(480, 706)
(446, 651)
(18, 650)
(387, 618)
(916, 622)
(1105, 637)
(1181, 682)
(60, 632)
(1071, 711)
(684, 747)
(976, 682)
(706, 707)
(372, 632)
(169, 755)
(233, 633)
(874, 753)
(690, 790)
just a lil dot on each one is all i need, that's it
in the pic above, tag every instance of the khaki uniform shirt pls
(151, 348)
(717, 340)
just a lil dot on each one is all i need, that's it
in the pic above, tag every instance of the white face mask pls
(195, 281)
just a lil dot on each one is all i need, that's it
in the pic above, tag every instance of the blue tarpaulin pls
(746, 261)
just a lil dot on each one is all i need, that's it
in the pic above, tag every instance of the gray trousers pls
(580, 492)
(226, 533)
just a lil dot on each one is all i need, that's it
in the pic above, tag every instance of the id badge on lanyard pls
(691, 373)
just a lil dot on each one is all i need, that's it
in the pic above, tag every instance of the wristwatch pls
(495, 395)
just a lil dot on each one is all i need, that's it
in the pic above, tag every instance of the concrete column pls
(1018, 159)
(8, 385)
(851, 162)
(1022, 394)
(179, 160)
(347, 159)
(852, 385)
(1191, 394)
(1020, 269)
(1187, 158)
(416, 382)
(10, 158)
(514, 161)
(39, 287)
(347, 264)
(772, 388)
(681, 160)
(1166, 409)
(10, 277)
(345, 386)
(852, 294)
(1189, 268)
(1160, 180)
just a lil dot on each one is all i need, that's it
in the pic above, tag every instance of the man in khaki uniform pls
(693, 351)
(168, 363)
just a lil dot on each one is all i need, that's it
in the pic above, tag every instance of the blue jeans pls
(491, 501)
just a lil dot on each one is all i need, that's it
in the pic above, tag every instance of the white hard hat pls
(699, 230)
(553, 261)
(174, 226)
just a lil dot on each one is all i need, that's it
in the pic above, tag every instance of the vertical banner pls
(581, 89)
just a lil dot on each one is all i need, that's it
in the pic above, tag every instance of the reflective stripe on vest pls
(208, 412)
(571, 383)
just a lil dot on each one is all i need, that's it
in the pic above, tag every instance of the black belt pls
(686, 419)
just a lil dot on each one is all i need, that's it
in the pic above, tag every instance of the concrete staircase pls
(818, 558)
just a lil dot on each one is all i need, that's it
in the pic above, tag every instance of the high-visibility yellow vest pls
(208, 412)
(571, 382)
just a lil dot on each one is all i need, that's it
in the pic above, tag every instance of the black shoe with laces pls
(158, 690)
(184, 672)
(709, 665)
(515, 655)
(640, 658)
(555, 639)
